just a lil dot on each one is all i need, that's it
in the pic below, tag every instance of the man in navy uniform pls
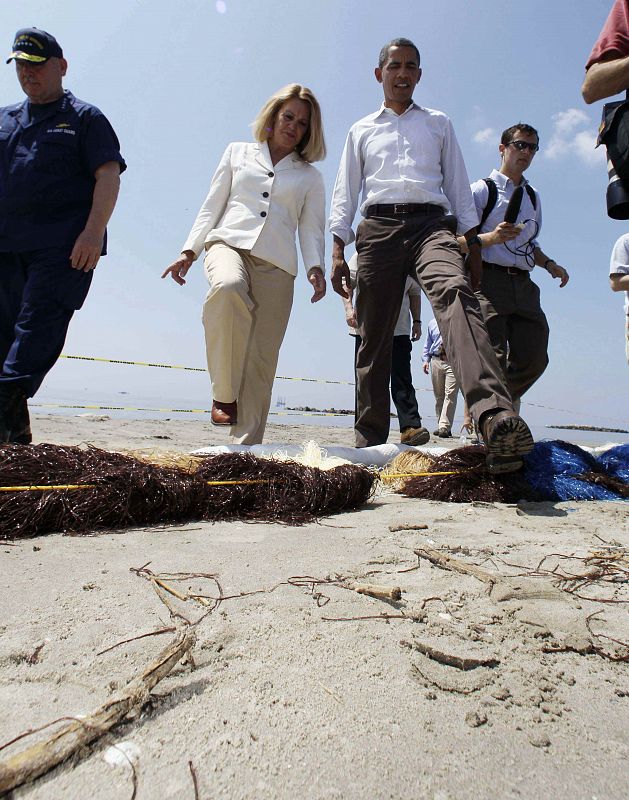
(60, 168)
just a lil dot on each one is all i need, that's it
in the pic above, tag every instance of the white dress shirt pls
(257, 206)
(403, 326)
(501, 253)
(412, 157)
(619, 263)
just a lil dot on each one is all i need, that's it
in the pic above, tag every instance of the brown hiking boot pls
(507, 438)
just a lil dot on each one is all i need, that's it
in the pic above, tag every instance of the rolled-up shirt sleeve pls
(347, 186)
(456, 184)
(427, 346)
(311, 225)
(213, 206)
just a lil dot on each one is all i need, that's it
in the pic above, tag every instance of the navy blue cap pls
(34, 46)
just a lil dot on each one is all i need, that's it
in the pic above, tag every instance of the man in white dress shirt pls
(407, 162)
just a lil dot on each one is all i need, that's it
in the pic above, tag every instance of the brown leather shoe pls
(507, 438)
(224, 413)
(414, 436)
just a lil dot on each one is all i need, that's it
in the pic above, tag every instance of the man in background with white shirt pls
(619, 278)
(408, 329)
(407, 162)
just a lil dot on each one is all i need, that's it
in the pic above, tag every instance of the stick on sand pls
(44, 756)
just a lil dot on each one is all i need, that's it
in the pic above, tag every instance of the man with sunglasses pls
(508, 297)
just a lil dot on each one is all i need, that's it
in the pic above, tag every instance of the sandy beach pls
(303, 688)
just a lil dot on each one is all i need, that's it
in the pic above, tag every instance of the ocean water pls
(139, 405)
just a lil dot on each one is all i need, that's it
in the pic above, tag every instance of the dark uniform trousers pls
(39, 292)
(420, 245)
(517, 326)
(402, 389)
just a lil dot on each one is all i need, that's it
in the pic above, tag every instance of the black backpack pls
(493, 199)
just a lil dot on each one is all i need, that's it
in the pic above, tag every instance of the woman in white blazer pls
(261, 194)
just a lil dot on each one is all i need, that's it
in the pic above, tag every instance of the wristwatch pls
(549, 261)
(474, 240)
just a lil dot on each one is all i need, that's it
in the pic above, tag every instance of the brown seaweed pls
(119, 491)
(471, 480)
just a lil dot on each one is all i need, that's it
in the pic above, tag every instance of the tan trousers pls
(446, 389)
(245, 315)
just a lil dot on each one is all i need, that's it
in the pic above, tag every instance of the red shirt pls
(614, 38)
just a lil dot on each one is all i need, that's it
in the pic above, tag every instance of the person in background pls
(445, 385)
(406, 162)
(607, 68)
(408, 329)
(261, 194)
(619, 278)
(60, 167)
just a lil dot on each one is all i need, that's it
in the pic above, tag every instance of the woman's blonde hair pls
(312, 146)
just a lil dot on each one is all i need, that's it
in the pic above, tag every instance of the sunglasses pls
(520, 145)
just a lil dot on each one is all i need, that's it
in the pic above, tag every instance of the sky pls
(179, 80)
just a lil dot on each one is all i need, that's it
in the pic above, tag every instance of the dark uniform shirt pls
(48, 156)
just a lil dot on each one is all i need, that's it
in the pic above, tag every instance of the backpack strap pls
(532, 196)
(493, 199)
(491, 202)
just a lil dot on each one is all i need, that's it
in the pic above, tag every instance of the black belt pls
(401, 209)
(513, 272)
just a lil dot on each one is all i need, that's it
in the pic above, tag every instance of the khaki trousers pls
(446, 389)
(420, 245)
(245, 315)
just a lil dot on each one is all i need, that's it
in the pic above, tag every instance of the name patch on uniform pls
(63, 127)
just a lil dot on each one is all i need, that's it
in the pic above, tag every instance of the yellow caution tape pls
(179, 410)
(191, 369)
(133, 363)
(278, 377)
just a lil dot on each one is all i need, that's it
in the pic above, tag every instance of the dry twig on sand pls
(195, 780)
(450, 659)
(445, 561)
(373, 590)
(601, 651)
(44, 756)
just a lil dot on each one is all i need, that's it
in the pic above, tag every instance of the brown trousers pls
(517, 327)
(419, 245)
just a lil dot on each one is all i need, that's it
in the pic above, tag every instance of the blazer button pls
(263, 213)
(265, 194)
(271, 174)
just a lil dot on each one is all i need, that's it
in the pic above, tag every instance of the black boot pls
(21, 424)
(6, 396)
(14, 419)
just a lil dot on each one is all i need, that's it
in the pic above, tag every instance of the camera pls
(614, 134)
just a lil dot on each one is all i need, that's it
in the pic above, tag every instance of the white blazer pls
(253, 205)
